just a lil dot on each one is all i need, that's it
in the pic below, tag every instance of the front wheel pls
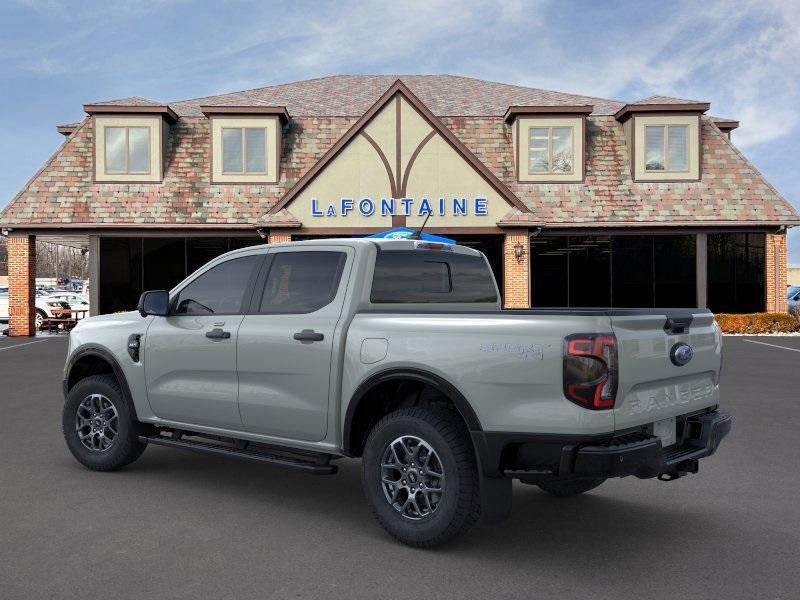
(420, 476)
(39, 319)
(99, 425)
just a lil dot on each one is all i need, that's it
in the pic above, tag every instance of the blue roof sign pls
(402, 233)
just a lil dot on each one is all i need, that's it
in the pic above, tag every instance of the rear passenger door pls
(285, 343)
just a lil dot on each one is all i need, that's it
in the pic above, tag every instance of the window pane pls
(115, 149)
(422, 276)
(675, 268)
(231, 150)
(562, 149)
(255, 139)
(302, 282)
(632, 271)
(589, 271)
(538, 150)
(678, 140)
(120, 270)
(219, 290)
(138, 149)
(164, 262)
(736, 272)
(654, 148)
(549, 279)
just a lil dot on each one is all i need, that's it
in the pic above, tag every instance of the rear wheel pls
(39, 318)
(570, 488)
(99, 425)
(420, 476)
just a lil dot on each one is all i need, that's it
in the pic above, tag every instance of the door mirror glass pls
(154, 303)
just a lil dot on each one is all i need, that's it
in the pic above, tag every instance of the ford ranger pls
(397, 352)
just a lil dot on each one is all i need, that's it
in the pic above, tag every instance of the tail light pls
(590, 370)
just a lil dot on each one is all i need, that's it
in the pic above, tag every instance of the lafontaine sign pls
(367, 207)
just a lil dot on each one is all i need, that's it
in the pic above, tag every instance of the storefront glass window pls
(736, 272)
(127, 266)
(618, 271)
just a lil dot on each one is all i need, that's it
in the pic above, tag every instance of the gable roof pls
(398, 87)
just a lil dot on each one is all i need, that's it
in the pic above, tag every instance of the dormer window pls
(129, 140)
(245, 143)
(127, 150)
(244, 150)
(550, 150)
(666, 148)
(548, 142)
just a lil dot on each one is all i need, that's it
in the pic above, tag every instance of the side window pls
(220, 290)
(424, 276)
(302, 282)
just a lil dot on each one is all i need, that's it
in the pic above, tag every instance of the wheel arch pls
(94, 360)
(350, 434)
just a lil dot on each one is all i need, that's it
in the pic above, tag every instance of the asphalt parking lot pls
(181, 525)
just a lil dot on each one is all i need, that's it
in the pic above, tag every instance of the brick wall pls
(776, 273)
(516, 278)
(279, 236)
(21, 284)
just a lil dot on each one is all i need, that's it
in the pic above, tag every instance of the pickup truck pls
(397, 352)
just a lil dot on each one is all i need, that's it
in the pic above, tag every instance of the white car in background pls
(74, 299)
(45, 305)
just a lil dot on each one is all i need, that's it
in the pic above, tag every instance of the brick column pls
(775, 273)
(21, 284)
(516, 273)
(279, 236)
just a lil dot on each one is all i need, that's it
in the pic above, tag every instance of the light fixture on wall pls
(519, 252)
(262, 233)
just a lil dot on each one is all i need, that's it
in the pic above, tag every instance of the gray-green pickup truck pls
(398, 352)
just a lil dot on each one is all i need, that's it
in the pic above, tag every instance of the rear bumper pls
(637, 452)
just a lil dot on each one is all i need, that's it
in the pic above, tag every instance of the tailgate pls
(651, 386)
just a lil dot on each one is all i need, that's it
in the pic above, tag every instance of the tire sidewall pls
(126, 433)
(402, 527)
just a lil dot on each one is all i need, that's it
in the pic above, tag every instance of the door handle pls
(218, 334)
(308, 335)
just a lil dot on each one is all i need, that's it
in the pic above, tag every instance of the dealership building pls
(575, 200)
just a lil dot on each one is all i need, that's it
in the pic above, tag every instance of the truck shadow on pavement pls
(541, 527)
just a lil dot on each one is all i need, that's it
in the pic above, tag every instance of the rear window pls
(431, 276)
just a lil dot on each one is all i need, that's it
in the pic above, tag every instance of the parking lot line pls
(773, 345)
(20, 345)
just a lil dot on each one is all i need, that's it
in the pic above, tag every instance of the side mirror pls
(154, 303)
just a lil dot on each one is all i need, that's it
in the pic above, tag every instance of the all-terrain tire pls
(571, 487)
(125, 446)
(458, 506)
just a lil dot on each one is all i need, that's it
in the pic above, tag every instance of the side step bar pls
(316, 464)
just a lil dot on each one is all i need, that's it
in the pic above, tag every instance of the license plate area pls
(666, 429)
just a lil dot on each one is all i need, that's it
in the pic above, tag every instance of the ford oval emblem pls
(681, 354)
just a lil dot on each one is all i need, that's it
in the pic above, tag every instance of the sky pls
(741, 56)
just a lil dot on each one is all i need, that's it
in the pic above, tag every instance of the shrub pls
(755, 323)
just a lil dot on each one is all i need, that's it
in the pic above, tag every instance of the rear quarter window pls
(431, 276)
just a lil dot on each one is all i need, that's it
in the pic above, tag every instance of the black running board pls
(316, 464)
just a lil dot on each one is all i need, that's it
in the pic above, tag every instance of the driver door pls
(190, 355)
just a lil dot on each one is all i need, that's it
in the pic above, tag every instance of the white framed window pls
(244, 150)
(550, 150)
(127, 150)
(666, 148)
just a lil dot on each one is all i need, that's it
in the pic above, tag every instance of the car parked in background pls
(45, 307)
(76, 301)
(793, 296)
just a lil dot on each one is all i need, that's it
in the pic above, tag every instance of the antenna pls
(416, 235)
